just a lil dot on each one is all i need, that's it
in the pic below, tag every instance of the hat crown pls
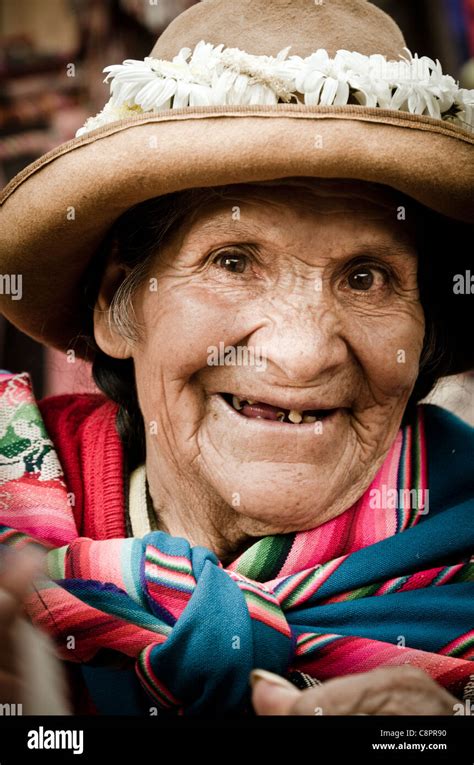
(265, 27)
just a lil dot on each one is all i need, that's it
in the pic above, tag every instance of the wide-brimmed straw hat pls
(237, 91)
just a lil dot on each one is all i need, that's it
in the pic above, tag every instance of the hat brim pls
(56, 212)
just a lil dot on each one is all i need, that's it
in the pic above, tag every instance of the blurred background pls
(52, 53)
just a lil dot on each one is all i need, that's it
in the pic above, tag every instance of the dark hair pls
(145, 228)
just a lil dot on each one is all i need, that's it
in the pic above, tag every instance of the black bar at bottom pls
(322, 739)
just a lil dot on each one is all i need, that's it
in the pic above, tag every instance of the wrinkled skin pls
(404, 690)
(284, 279)
(220, 479)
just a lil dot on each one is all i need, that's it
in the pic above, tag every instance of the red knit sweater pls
(82, 428)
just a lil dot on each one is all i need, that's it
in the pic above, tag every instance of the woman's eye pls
(365, 279)
(235, 262)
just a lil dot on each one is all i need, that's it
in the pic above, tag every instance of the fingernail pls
(270, 677)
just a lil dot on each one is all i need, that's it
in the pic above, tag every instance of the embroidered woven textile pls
(387, 582)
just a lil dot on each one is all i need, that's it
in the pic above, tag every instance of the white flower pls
(424, 89)
(109, 113)
(256, 79)
(213, 75)
(205, 59)
(367, 78)
(322, 80)
(464, 101)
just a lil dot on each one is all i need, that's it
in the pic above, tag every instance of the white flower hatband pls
(217, 76)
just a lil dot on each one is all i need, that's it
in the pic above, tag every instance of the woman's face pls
(298, 302)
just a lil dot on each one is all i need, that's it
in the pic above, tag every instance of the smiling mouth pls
(263, 411)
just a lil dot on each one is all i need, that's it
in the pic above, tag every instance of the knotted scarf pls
(389, 581)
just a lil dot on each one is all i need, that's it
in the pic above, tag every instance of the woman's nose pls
(302, 341)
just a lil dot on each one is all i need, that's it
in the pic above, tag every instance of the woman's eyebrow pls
(230, 227)
(379, 249)
(241, 230)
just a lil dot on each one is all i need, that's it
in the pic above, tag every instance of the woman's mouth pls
(264, 411)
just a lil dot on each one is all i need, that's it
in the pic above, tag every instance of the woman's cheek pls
(191, 323)
(185, 328)
(390, 349)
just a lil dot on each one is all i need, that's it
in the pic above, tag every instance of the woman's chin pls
(283, 497)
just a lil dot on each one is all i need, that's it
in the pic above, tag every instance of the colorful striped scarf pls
(387, 582)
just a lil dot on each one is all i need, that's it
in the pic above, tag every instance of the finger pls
(10, 688)
(17, 573)
(401, 690)
(20, 569)
(272, 694)
(8, 610)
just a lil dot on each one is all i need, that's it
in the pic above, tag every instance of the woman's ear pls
(106, 335)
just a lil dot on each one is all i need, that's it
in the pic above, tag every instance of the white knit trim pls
(217, 76)
(137, 506)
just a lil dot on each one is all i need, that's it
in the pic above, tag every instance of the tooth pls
(280, 416)
(236, 402)
(309, 418)
(249, 401)
(295, 416)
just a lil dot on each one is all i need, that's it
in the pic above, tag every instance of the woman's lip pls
(303, 406)
(259, 424)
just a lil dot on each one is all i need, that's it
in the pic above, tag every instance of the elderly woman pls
(257, 254)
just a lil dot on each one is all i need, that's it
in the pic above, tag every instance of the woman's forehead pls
(335, 230)
(321, 196)
(240, 209)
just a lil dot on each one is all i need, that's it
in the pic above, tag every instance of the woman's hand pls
(16, 575)
(401, 690)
